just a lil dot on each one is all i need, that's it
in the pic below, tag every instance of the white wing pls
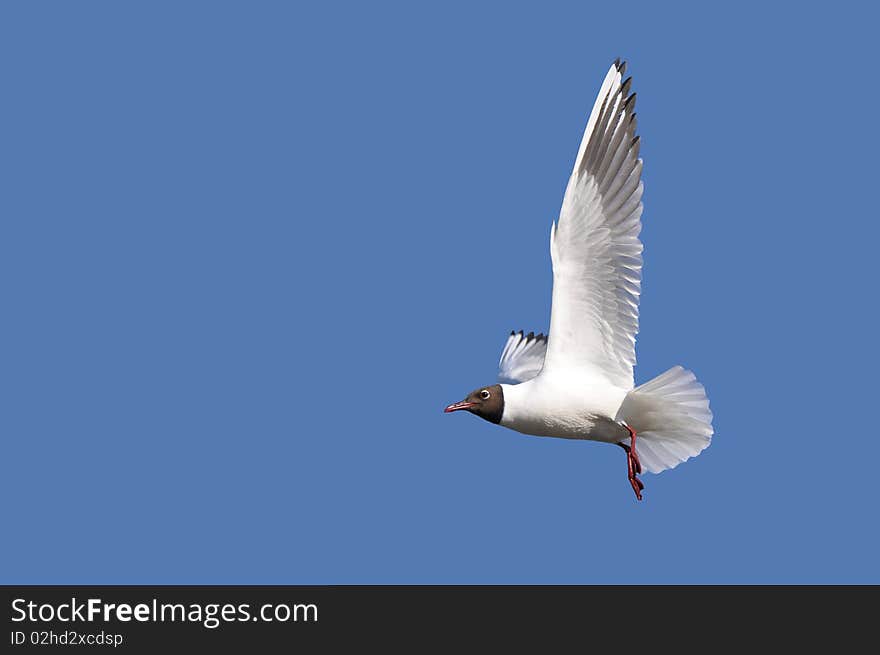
(595, 247)
(522, 357)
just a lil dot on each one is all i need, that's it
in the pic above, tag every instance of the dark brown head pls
(485, 402)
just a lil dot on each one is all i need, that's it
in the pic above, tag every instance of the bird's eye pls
(484, 394)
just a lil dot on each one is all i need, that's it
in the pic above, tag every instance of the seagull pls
(577, 382)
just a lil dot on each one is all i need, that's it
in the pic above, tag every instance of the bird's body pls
(577, 383)
(571, 408)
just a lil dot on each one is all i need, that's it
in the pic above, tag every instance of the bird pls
(577, 382)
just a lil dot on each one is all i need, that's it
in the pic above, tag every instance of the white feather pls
(522, 357)
(595, 248)
(671, 417)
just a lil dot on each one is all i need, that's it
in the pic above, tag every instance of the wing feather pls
(522, 357)
(595, 246)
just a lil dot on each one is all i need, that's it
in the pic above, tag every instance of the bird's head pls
(485, 402)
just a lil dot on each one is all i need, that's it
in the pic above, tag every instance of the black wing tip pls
(531, 336)
(620, 64)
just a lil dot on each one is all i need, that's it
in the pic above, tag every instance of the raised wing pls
(595, 247)
(522, 357)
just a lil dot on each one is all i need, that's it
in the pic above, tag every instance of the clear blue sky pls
(249, 252)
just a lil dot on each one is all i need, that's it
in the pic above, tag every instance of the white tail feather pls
(671, 417)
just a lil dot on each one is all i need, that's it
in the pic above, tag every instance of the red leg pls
(633, 465)
(632, 450)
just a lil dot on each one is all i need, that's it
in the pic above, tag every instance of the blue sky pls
(250, 251)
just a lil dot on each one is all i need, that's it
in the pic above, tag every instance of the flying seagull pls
(577, 382)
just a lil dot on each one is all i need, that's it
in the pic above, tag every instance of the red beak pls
(454, 407)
